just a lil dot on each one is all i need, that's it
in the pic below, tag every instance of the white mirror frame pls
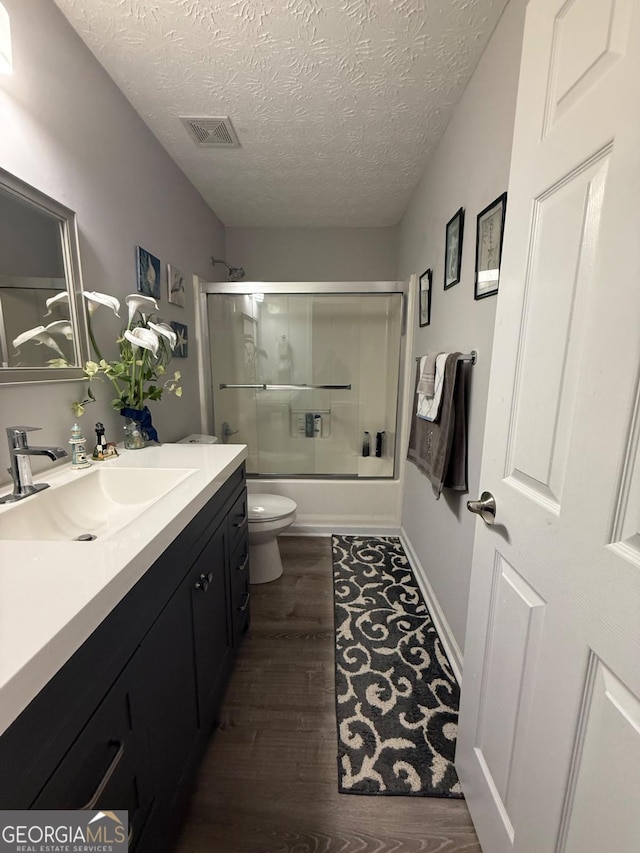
(73, 277)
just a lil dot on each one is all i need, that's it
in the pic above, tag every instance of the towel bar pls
(469, 356)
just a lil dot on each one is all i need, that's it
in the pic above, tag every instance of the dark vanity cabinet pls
(124, 723)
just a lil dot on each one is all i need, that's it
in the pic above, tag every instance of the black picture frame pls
(148, 273)
(489, 237)
(453, 249)
(424, 298)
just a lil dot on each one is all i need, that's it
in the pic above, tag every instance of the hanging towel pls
(426, 384)
(429, 407)
(439, 449)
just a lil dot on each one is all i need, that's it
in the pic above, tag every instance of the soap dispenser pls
(78, 449)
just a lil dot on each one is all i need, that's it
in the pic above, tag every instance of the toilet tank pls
(196, 438)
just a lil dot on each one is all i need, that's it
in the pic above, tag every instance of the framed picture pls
(182, 345)
(453, 249)
(489, 247)
(148, 273)
(424, 307)
(175, 286)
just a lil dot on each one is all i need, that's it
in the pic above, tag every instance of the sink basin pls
(95, 505)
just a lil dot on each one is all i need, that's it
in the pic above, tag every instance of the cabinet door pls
(211, 629)
(108, 766)
(165, 699)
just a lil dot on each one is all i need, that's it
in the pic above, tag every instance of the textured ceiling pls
(337, 103)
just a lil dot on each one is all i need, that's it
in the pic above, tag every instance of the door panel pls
(516, 618)
(588, 39)
(606, 767)
(564, 236)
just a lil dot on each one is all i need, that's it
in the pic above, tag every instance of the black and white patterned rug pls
(396, 695)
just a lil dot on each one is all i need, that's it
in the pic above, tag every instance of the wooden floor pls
(268, 782)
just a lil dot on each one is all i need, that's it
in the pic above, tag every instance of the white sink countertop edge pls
(54, 594)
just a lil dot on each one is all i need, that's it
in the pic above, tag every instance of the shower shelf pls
(262, 387)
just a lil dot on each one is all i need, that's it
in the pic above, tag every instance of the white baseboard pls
(341, 529)
(445, 633)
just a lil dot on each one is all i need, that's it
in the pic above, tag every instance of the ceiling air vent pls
(211, 132)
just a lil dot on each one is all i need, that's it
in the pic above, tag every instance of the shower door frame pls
(294, 288)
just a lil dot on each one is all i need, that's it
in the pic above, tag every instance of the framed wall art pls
(489, 231)
(424, 303)
(148, 273)
(175, 286)
(182, 345)
(453, 249)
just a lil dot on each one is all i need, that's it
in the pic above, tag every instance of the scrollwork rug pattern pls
(396, 695)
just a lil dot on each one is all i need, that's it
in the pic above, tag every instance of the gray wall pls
(313, 254)
(68, 130)
(469, 169)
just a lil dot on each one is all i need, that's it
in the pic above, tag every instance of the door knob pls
(485, 507)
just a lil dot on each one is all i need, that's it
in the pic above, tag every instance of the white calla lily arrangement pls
(146, 347)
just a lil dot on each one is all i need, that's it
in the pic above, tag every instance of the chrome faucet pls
(20, 470)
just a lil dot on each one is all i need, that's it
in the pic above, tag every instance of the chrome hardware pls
(204, 581)
(241, 522)
(20, 469)
(302, 387)
(227, 432)
(485, 507)
(246, 604)
(471, 357)
(111, 769)
(243, 564)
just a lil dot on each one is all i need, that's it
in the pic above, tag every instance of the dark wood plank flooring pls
(268, 782)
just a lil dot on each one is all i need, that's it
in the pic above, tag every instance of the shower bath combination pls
(301, 371)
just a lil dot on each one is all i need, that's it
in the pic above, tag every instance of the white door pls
(549, 739)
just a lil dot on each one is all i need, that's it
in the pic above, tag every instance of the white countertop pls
(54, 594)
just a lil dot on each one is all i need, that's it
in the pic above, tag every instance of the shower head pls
(235, 273)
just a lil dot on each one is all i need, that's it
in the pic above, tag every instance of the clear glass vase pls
(133, 436)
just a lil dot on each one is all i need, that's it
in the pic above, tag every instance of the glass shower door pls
(308, 381)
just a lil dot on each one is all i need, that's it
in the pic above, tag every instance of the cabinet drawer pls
(238, 520)
(240, 592)
(108, 766)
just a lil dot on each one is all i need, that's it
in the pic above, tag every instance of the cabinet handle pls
(204, 581)
(246, 604)
(111, 769)
(243, 564)
(241, 522)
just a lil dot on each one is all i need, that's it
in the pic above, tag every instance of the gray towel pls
(439, 448)
(427, 378)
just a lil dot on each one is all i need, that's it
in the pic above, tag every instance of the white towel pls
(426, 384)
(429, 407)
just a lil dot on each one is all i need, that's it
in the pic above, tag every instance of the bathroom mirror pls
(42, 323)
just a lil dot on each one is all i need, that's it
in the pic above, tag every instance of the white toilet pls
(269, 515)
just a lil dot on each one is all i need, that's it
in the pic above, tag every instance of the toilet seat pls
(263, 508)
